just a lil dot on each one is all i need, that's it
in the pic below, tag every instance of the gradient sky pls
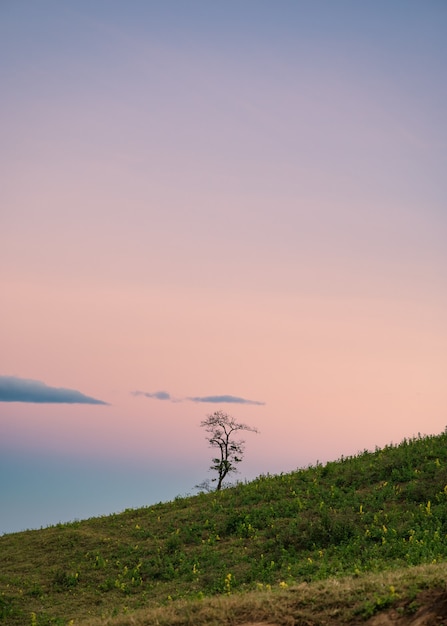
(230, 205)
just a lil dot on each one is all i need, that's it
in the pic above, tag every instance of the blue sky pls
(207, 206)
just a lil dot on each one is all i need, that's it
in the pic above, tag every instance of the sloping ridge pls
(361, 538)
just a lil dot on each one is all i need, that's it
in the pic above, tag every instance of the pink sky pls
(222, 201)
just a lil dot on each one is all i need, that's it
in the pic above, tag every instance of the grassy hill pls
(339, 539)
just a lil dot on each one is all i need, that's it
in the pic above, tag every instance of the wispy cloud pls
(222, 399)
(14, 389)
(159, 395)
(225, 399)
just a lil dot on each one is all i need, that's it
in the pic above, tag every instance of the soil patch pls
(430, 609)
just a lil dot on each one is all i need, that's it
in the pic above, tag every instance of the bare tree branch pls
(220, 426)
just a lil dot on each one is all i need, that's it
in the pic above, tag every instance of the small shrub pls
(65, 580)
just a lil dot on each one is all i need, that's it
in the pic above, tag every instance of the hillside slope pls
(372, 512)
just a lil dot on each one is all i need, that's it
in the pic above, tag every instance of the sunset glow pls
(236, 206)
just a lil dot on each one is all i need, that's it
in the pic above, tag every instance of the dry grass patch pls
(350, 600)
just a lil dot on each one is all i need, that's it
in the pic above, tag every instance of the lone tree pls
(221, 428)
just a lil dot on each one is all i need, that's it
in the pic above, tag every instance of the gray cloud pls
(159, 395)
(14, 389)
(225, 399)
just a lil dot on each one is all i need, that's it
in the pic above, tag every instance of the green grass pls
(346, 520)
